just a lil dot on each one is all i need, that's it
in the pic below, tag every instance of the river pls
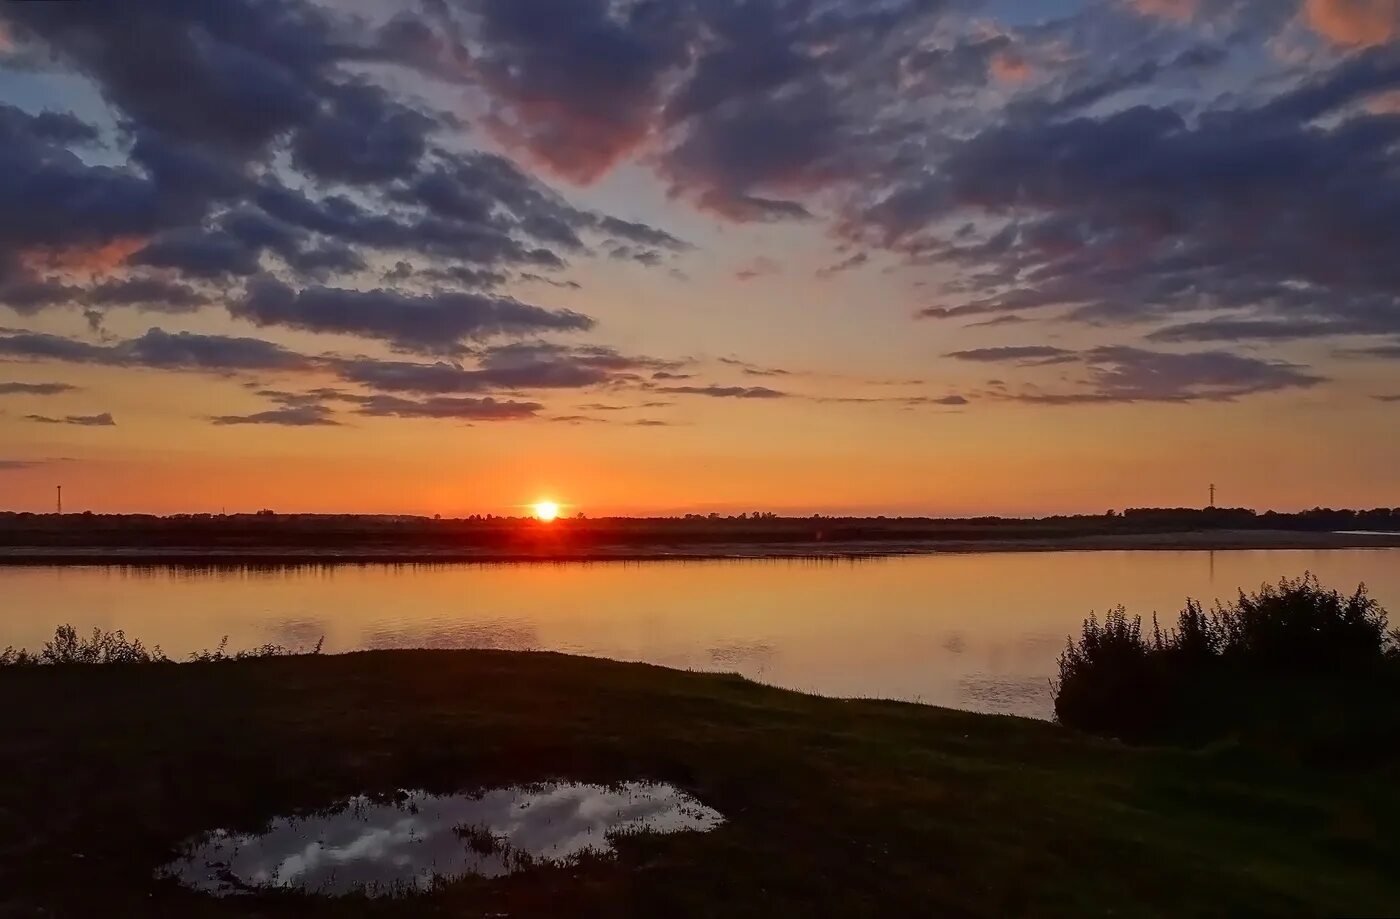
(973, 631)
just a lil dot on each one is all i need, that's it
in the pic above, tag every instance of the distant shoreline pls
(1220, 540)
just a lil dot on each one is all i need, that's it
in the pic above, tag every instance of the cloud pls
(635, 254)
(738, 106)
(276, 150)
(504, 368)
(299, 416)
(741, 163)
(1120, 374)
(725, 392)
(577, 85)
(36, 389)
(1099, 166)
(360, 134)
(51, 198)
(158, 349)
(789, 101)
(578, 419)
(154, 294)
(247, 71)
(311, 409)
(1385, 351)
(27, 296)
(756, 268)
(200, 253)
(521, 365)
(433, 323)
(441, 378)
(1010, 67)
(568, 285)
(31, 463)
(853, 261)
(964, 63)
(639, 233)
(755, 370)
(103, 420)
(1354, 22)
(1017, 353)
(949, 401)
(1176, 10)
(445, 407)
(996, 321)
(1286, 329)
(1281, 212)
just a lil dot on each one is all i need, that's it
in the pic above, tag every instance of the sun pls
(545, 510)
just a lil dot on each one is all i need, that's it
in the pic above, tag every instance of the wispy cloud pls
(36, 389)
(726, 392)
(300, 416)
(103, 420)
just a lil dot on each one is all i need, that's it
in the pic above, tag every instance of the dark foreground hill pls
(834, 808)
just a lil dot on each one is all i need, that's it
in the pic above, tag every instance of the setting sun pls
(545, 510)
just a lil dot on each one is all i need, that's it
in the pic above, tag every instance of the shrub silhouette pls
(1108, 681)
(67, 648)
(102, 648)
(1292, 659)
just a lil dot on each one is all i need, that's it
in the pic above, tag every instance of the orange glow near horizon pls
(545, 511)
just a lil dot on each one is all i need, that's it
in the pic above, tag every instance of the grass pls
(833, 808)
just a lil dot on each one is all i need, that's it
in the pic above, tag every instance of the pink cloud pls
(1355, 22)
(757, 268)
(1385, 103)
(93, 260)
(1010, 67)
(1176, 10)
(566, 143)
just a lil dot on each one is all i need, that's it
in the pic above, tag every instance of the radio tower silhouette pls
(60, 499)
(1212, 495)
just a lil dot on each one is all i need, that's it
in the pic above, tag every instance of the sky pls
(939, 257)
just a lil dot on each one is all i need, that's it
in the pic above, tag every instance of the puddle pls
(416, 840)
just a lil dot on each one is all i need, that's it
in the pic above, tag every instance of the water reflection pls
(754, 655)
(415, 840)
(298, 633)
(1003, 695)
(931, 628)
(491, 635)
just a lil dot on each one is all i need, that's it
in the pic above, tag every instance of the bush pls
(102, 648)
(66, 648)
(1108, 681)
(1290, 659)
(1300, 626)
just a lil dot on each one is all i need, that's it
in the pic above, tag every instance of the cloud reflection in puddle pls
(416, 840)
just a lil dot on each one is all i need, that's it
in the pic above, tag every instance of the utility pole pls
(1212, 494)
(60, 499)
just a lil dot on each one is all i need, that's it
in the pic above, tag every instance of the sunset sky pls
(657, 256)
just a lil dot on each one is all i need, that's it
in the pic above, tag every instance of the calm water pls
(416, 840)
(971, 631)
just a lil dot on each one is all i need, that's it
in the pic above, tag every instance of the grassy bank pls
(834, 808)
